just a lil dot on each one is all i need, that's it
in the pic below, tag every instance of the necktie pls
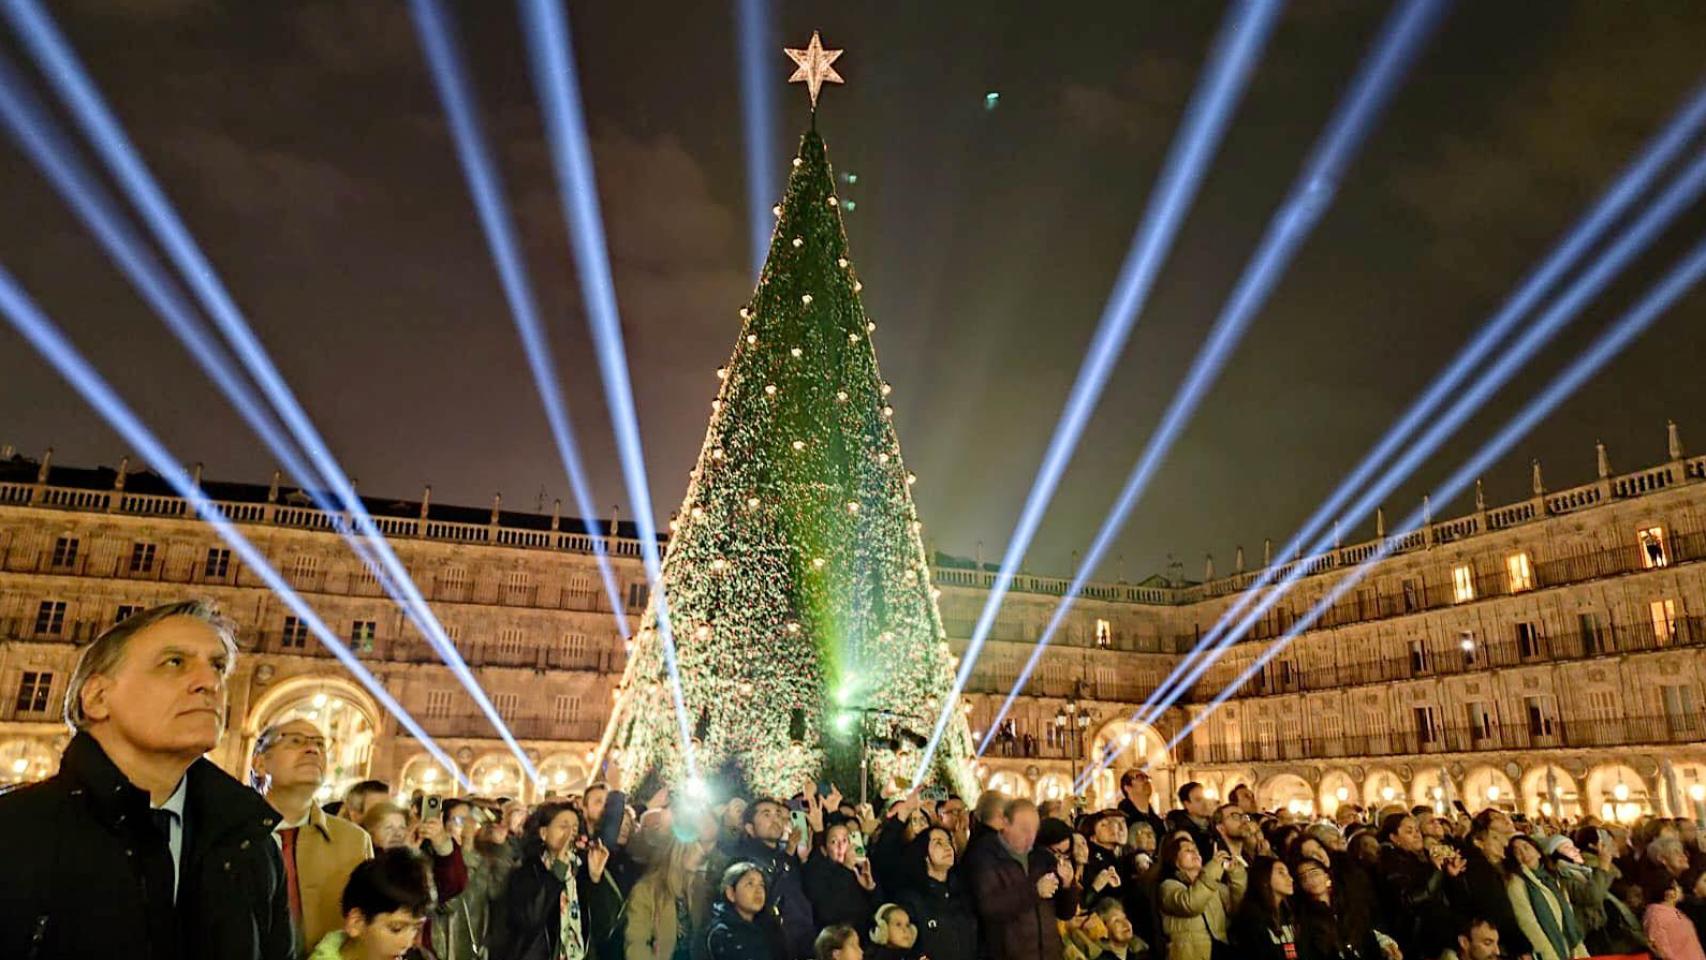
(287, 846)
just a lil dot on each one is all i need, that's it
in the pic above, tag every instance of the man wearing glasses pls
(288, 768)
(1233, 831)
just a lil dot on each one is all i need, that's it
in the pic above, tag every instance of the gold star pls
(814, 66)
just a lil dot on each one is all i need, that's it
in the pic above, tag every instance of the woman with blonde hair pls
(668, 910)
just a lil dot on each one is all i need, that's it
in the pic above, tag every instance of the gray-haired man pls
(138, 845)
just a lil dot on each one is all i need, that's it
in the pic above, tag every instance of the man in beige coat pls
(288, 768)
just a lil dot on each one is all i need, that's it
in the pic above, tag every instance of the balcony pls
(477, 726)
(1539, 734)
(1686, 633)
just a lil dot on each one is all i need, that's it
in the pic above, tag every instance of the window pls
(1664, 620)
(361, 634)
(218, 563)
(1519, 574)
(437, 703)
(1542, 716)
(1655, 552)
(454, 582)
(295, 634)
(1412, 595)
(50, 617)
(1427, 725)
(506, 704)
(579, 588)
(574, 646)
(64, 552)
(303, 569)
(566, 709)
(126, 611)
(33, 690)
(1592, 634)
(1104, 634)
(1483, 719)
(638, 594)
(1681, 716)
(511, 642)
(141, 558)
(365, 576)
(1421, 660)
(1462, 583)
(1466, 643)
(1602, 705)
(517, 584)
(1528, 640)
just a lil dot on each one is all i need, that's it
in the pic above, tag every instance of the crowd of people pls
(139, 846)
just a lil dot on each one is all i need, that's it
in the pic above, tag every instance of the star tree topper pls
(814, 66)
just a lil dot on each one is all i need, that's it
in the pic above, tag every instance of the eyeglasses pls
(298, 741)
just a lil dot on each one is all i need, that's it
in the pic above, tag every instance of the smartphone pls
(799, 818)
(428, 808)
(859, 844)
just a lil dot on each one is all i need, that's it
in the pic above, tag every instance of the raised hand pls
(597, 856)
(1048, 885)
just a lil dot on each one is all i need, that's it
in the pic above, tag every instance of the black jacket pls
(1484, 885)
(945, 918)
(836, 895)
(733, 937)
(1017, 924)
(532, 913)
(89, 875)
(784, 893)
(1147, 815)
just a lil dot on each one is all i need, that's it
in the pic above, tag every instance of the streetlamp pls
(1072, 719)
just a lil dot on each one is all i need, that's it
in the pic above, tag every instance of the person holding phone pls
(560, 904)
(1022, 891)
(767, 842)
(839, 885)
(1197, 897)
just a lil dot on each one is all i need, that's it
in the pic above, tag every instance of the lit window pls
(1664, 620)
(1104, 634)
(1462, 583)
(1519, 572)
(1654, 551)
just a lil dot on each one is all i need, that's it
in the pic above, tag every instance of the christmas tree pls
(799, 599)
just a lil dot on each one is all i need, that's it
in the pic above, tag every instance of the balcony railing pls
(1579, 644)
(477, 726)
(1535, 734)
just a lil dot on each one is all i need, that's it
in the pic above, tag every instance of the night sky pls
(304, 145)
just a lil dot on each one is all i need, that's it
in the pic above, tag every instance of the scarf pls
(1549, 903)
(571, 945)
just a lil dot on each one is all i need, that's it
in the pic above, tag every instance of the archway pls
(497, 775)
(1691, 787)
(26, 760)
(1337, 786)
(343, 712)
(1011, 783)
(1128, 744)
(1617, 792)
(1433, 787)
(1381, 788)
(1053, 786)
(1485, 787)
(425, 774)
(562, 774)
(1286, 791)
(1557, 795)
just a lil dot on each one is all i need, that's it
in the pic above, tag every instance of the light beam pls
(1312, 193)
(42, 334)
(755, 22)
(1237, 49)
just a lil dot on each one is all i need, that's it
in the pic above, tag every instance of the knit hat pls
(1549, 845)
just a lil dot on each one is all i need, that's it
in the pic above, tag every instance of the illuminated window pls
(1664, 620)
(1519, 573)
(1654, 552)
(1104, 634)
(1462, 583)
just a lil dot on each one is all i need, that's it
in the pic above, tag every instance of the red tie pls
(287, 845)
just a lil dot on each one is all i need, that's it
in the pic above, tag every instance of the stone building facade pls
(1549, 654)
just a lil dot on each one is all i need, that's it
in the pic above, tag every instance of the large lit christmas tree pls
(805, 623)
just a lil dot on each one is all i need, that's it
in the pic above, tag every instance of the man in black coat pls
(769, 843)
(1484, 878)
(138, 847)
(1137, 803)
(1022, 891)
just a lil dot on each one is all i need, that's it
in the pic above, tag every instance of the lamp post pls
(1072, 719)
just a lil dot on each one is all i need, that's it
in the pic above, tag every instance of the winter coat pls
(733, 937)
(1544, 914)
(945, 917)
(532, 909)
(836, 895)
(784, 892)
(327, 850)
(1191, 915)
(1203, 835)
(467, 921)
(89, 875)
(1484, 881)
(1254, 937)
(1147, 815)
(1415, 907)
(653, 927)
(1671, 933)
(1016, 923)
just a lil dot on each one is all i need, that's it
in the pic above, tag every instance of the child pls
(838, 942)
(384, 904)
